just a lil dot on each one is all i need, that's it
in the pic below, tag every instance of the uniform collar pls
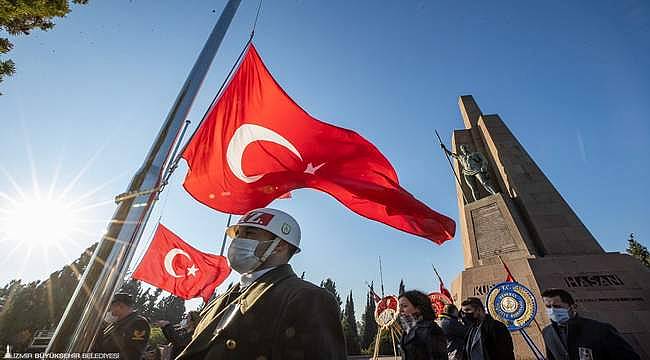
(247, 279)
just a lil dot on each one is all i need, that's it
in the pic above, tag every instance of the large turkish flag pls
(173, 265)
(256, 144)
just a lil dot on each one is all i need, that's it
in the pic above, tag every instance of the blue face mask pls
(558, 315)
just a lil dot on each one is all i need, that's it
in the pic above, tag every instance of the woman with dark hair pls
(422, 338)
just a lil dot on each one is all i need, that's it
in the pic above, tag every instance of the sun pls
(39, 221)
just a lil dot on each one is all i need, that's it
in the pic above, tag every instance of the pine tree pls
(20, 17)
(350, 327)
(170, 308)
(638, 251)
(369, 326)
(401, 287)
(329, 285)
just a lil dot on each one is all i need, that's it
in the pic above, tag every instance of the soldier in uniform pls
(271, 313)
(127, 332)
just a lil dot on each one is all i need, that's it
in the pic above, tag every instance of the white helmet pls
(275, 221)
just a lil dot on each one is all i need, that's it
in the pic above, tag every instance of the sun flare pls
(39, 221)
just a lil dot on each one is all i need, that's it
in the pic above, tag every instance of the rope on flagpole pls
(165, 181)
(257, 16)
(177, 155)
(223, 84)
(214, 101)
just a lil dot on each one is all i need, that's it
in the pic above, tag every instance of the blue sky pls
(571, 80)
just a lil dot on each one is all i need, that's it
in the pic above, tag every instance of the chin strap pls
(268, 251)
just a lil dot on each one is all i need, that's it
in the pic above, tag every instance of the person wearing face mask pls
(572, 337)
(454, 330)
(487, 339)
(180, 338)
(271, 313)
(422, 338)
(127, 332)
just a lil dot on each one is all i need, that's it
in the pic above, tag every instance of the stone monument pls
(531, 227)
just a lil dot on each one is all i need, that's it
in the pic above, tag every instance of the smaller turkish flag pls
(173, 265)
(443, 289)
(509, 277)
(445, 292)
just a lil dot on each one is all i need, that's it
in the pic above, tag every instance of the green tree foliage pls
(38, 304)
(402, 289)
(329, 285)
(170, 308)
(149, 304)
(20, 17)
(350, 331)
(368, 325)
(638, 251)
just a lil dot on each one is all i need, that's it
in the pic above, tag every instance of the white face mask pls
(110, 318)
(241, 254)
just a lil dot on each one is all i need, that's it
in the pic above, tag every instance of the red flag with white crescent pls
(256, 144)
(173, 265)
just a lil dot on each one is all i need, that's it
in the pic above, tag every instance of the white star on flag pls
(311, 169)
(192, 270)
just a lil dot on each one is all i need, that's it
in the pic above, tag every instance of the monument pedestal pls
(610, 287)
(543, 242)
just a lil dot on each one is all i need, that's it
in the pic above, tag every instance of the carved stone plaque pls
(491, 232)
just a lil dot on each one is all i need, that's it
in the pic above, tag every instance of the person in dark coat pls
(180, 338)
(570, 336)
(454, 330)
(271, 313)
(486, 339)
(127, 332)
(422, 338)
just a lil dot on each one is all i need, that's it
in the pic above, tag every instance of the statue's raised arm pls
(444, 148)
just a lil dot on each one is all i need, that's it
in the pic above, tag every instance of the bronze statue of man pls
(474, 166)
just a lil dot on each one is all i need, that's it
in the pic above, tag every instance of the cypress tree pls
(329, 285)
(368, 324)
(350, 327)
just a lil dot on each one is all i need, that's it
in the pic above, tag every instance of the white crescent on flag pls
(169, 258)
(244, 136)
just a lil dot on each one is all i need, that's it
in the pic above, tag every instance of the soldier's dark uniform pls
(278, 317)
(128, 336)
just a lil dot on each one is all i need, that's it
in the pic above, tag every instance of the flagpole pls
(82, 318)
(438, 275)
(381, 278)
(223, 244)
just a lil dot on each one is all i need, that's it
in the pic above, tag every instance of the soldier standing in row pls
(127, 332)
